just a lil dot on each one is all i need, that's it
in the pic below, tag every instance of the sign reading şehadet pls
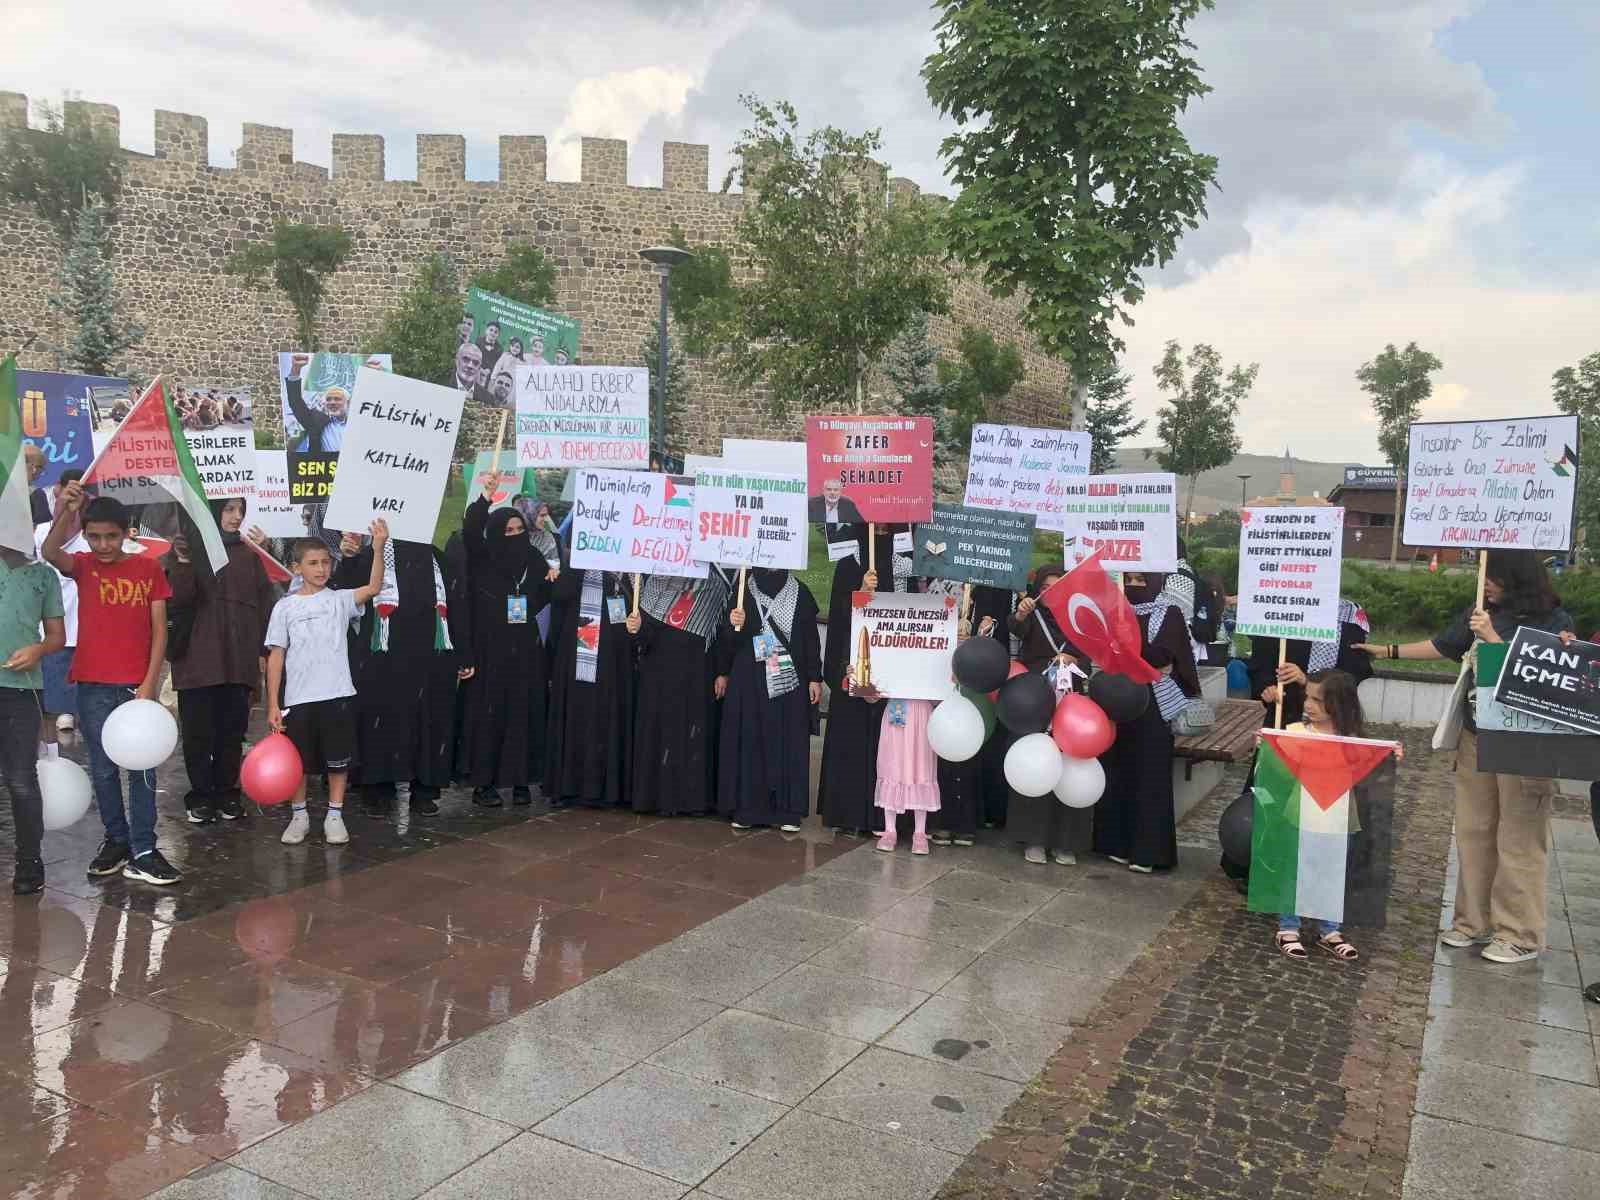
(901, 645)
(975, 545)
(1132, 519)
(634, 521)
(750, 518)
(583, 417)
(1556, 683)
(1289, 561)
(1503, 484)
(873, 470)
(1025, 470)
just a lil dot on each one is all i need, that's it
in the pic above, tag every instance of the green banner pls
(497, 335)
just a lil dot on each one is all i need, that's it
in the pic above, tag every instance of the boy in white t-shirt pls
(309, 666)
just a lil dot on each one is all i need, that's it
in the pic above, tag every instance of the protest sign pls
(217, 425)
(396, 456)
(1505, 484)
(758, 454)
(750, 519)
(1025, 470)
(869, 469)
(497, 335)
(59, 412)
(1132, 518)
(1289, 560)
(270, 509)
(1556, 683)
(902, 644)
(512, 481)
(583, 417)
(634, 521)
(314, 426)
(975, 545)
(694, 464)
(1511, 742)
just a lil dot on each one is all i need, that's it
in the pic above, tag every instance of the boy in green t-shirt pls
(30, 599)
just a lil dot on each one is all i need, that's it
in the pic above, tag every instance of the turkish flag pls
(1093, 612)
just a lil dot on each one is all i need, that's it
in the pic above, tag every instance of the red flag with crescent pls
(1097, 618)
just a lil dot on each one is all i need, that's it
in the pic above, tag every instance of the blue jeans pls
(137, 828)
(1288, 921)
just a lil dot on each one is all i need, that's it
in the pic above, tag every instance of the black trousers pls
(19, 750)
(214, 721)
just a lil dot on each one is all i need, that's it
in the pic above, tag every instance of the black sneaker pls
(150, 867)
(488, 797)
(110, 859)
(229, 808)
(425, 801)
(521, 797)
(29, 877)
(377, 801)
(1592, 993)
(200, 813)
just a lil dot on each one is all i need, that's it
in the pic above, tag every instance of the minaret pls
(1286, 493)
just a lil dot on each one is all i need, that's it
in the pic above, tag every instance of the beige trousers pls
(1503, 844)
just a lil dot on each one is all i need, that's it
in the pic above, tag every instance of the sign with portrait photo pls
(498, 335)
(869, 470)
(314, 420)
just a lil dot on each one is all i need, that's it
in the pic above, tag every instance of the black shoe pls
(425, 803)
(229, 808)
(487, 797)
(110, 859)
(521, 797)
(377, 801)
(29, 877)
(200, 813)
(1592, 993)
(150, 867)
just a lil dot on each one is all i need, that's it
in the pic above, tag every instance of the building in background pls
(1286, 495)
(1367, 497)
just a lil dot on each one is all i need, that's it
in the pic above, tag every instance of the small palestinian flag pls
(1320, 841)
(16, 512)
(1567, 464)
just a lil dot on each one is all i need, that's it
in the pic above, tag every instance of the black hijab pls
(509, 558)
(771, 582)
(1153, 584)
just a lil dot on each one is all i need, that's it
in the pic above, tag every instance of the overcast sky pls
(1390, 169)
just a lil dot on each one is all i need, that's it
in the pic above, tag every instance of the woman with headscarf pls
(770, 682)
(1134, 822)
(672, 746)
(1303, 658)
(962, 785)
(589, 745)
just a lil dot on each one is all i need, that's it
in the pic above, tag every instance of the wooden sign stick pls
(1483, 574)
(872, 547)
(636, 593)
(739, 603)
(494, 463)
(1283, 657)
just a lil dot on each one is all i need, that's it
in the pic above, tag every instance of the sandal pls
(1335, 944)
(1289, 945)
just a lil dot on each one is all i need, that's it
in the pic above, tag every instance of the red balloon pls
(271, 772)
(1081, 728)
(1016, 669)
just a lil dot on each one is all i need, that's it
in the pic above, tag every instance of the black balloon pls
(981, 663)
(1234, 826)
(1122, 698)
(1026, 702)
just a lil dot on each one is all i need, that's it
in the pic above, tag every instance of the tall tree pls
(1576, 390)
(677, 404)
(973, 386)
(420, 331)
(700, 295)
(1072, 174)
(101, 330)
(911, 366)
(61, 168)
(1398, 382)
(1196, 420)
(1109, 417)
(524, 275)
(300, 259)
(839, 271)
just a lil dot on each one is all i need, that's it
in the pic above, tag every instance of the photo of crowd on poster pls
(497, 335)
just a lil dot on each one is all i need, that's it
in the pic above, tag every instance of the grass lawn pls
(1439, 666)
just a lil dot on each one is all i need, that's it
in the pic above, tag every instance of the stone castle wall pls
(180, 218)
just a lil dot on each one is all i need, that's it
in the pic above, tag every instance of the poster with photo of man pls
(316, 390)
(497, 335)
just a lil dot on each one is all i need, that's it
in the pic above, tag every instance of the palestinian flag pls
(1319, 846)
(147, 461)
(16, 512)
(1567, 464)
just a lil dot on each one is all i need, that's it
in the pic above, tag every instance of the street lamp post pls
(1243, 481)
(663, 258)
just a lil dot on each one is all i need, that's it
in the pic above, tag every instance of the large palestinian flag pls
(1320, 842)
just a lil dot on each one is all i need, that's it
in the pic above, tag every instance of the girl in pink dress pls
(908, 772)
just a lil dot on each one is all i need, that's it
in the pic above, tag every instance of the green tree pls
(840, 271)
(1196, 420)
(300, 259)
(420, 331)
(700, 295)
(911, 366)
(973, 387)
(677, 400)
(101, 331)
(62, 168)
(1576, 390)
(1072, 174)
(1398, 382)
(1108, 419)
(524, 275)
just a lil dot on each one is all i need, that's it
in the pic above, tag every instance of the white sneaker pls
(299, 826)
(1502, 951)
(1065, 858)
(333, 830)
(1139, 869)
(1457, 940)
(788, 829)
(65, 723)
(1035, 855)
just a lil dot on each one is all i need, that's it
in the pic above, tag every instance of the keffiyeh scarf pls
(590, 607)
(693, 605)
(388, 600)
(1170, 699)
(1325, 655)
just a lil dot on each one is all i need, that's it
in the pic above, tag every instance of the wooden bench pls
(1232, 739)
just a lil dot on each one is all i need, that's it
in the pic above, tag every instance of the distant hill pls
(1219, 489)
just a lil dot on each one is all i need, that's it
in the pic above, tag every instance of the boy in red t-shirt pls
(122, 639)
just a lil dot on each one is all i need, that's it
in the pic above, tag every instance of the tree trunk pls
(1394, 538)
(1078, 408)
(1188, 509)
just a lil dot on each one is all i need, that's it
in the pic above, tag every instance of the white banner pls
(1025, 470)
(1506, 484)
(217, 425)
(902, 644)
(269, 509)
(1133, 518)
(633, 521)
(1289, 560)
(395, 460)
(572, 416)
(756, 454)
(750, 519)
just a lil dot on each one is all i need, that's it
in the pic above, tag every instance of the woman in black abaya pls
(962, 784)
(591, 689)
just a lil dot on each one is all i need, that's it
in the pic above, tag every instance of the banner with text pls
(750, 519)
(1289, 561)
(497, 335)
(217, 424)
(1557, 683)
(1025, 470)
(758, 454)
(1518, 743)
(1133, 518)
(396, 457)
(869, 469)
(1504, 484)
(901, 645)
(270, 509)
(512, 481)
(583, 417)
(634, 521)
(314, 424)
(975, 545)
(59, 413)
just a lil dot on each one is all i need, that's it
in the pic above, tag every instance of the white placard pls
(902, 644)
(395, 460)
(693, 464)
(1025, 470)
(269, 509)
(1132, 518)
(222, 442)
(633, 521)
(751, 519)
(1289, 560)
(757, 454)
(572, 416)
(1506, 484)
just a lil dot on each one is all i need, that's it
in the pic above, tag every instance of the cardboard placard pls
(59, 412)
(634, 521)
(1025, 470)
(217, 424)
(877, 470)
(513, 480)
(270, 509)
(1518, 743)
(758, 454)
(975, 545)
(750, 519)
(1132, 518)
(1505, 484)
(583, 417)
(1556, 683)
(497, 335)
(314, 435)
(901, 645)
(1289, 563)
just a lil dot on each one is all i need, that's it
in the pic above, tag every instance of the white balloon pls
(955, 729)
(66, 791)
(139, 735)
(1033, 764)
(1082, 782)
